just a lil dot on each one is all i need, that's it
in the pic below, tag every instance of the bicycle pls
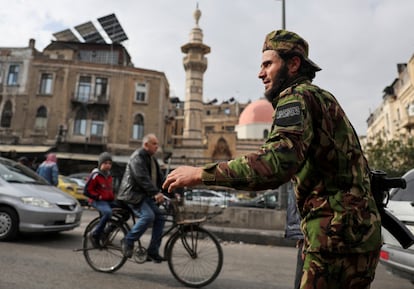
(194, 254)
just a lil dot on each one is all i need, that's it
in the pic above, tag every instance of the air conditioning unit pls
(411, 110)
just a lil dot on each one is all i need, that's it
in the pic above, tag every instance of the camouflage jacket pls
(312, 143)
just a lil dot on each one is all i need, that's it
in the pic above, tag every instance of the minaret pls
(195, 64)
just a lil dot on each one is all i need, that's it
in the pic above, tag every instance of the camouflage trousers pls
(328, 271)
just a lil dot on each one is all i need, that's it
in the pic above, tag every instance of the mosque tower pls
(195, 64)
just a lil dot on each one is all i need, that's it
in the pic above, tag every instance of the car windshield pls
(15, 173)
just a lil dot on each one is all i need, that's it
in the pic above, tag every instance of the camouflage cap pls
(285, 41)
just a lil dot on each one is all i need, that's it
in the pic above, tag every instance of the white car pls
(28, 203)
(209, 197)
(397, 260)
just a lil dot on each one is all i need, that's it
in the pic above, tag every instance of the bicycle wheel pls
(194, 256)
(108, 257)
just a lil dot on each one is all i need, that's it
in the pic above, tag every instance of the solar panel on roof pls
(66, 35)
(89, 33)
(113, 28)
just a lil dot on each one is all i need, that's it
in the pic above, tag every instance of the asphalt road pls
(49, 261)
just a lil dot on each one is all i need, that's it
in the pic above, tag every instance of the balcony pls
(90, 139)
(407, 123)
(102, 101)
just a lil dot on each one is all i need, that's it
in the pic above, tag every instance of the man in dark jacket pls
(293, 231)
(141, 188)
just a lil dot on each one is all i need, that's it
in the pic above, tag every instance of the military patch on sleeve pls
(288, 114)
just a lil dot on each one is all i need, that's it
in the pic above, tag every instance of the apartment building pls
(394, 118)
(78, 99)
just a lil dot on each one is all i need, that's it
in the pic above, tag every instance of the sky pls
(357, 43)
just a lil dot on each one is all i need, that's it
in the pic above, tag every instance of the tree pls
(395, 157)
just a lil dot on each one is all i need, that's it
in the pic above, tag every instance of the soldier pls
(312, 143)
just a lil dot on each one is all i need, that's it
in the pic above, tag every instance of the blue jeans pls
(148, 213)
(105, 210)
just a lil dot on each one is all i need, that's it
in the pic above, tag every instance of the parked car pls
(71, 187)
(266, 200)
(28, 203)
(81, 176)
(209, 197)
(80, 182)
(397, 260)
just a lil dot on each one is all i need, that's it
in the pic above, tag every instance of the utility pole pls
(283, 14)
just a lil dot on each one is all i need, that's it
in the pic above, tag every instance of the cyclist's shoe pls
(94, 240)
(127, 249)
(156, 258)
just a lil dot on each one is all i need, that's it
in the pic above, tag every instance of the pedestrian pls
(100, 194)
(312, 143)
(49, 169)
(24, 161)
(293, 232)
(141, 189)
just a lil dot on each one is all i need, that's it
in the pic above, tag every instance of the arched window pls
(80, 122)
(41, 118)
(265, 133)
(138, 127)
(7, 114)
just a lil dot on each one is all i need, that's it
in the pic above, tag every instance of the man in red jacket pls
(99, 188)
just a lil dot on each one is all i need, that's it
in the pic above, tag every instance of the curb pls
(252, 236)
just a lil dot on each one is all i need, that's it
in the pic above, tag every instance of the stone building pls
(394, 117)
(81, 98)
(205, 132)
(78, 99)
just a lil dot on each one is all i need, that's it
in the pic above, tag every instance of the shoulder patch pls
(288, 114)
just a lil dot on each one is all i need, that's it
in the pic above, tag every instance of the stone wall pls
(250, 218)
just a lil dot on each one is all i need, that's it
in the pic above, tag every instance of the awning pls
(25, 148)
(90, 157)
(73, 156)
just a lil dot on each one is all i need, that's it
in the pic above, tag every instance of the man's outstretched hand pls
(184, 176)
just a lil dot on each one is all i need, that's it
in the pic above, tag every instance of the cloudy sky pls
(358, 43)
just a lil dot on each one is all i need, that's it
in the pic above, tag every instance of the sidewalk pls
(251, 236)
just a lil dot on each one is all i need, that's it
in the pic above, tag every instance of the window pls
(209, 128)
(13, 76)
(80, 122)
(141, 92)
(97, 127)
(46, 81)
(7, 114)
(84, 88)
(265, 133)
(138, 127)
(41, 118)
(97, 124)
(101, 85)
(229, 128)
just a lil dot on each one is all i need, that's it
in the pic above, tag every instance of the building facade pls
(394, 118)
(79, 99)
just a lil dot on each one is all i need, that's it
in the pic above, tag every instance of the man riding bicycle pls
(141, 189)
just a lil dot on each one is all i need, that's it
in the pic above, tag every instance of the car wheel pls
(8, 224)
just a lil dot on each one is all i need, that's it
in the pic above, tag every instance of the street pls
(49, 261)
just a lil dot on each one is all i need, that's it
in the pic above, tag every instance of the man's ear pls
(294, 64)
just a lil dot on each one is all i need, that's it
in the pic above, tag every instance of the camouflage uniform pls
(313, 143)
